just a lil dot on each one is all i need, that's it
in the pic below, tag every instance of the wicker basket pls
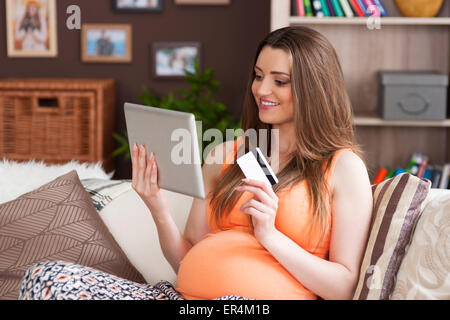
(57, 120)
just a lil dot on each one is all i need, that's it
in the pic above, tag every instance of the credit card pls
(255, 166)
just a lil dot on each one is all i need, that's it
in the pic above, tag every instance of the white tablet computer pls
(172, 137)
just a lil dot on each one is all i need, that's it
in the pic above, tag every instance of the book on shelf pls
(371, 8)
(300, 8)
(398, 171)
(337, 8)
(436, 176)
(381, 8)
(324, 6)
(346, 8)
(381, 175)
(330, 8)
(363, 7)
(414, 163)
(429, 174)
(297, 8)
(422, 167)
(317, 8)
(443, 184)
(308, 8)
(390, 174)
(356, 8)
(294, 9)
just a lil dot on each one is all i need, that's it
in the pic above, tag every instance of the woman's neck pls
(283, 146)
(286, 139)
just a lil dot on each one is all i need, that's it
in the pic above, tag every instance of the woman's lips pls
(266, 104)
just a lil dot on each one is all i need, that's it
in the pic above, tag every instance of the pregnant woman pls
(302, 239)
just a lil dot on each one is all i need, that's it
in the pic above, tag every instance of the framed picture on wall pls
(170, 60)
(203, 2)
(31, 28)
(107, 43)
(138, 5)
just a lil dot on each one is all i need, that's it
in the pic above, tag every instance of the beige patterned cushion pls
(397, 205)
(56, 222)
(425, 270)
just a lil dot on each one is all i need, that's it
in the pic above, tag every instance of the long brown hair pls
(30, 21)
(323, 120)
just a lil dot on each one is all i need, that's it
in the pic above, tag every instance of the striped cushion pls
(398, 203)
(425, 270)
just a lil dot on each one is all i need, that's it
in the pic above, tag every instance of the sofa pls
(423, 271)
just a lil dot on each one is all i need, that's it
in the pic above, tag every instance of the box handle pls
(50, 103)
(414, 104)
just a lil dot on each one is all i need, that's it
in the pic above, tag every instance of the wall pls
(229, 36)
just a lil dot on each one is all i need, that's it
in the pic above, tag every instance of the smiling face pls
(271, 86)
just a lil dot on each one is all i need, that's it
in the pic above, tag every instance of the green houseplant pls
(198, 100)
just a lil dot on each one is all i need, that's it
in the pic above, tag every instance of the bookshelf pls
(377, 121)
(401, 43)
(385, 21)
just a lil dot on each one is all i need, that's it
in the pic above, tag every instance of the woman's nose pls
(264, 88)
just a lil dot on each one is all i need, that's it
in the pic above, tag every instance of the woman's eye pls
(258, 77)
(281, 83)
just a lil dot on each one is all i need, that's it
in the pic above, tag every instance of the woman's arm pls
(145, 183)
(352, 208)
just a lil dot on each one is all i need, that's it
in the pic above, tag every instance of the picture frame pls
(202, 2)
(106, 43)
(31, 28)
(138, 5)
(170, 59)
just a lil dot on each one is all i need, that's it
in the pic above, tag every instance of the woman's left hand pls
(262, 208)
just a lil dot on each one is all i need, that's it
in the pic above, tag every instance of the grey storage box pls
(413, 95)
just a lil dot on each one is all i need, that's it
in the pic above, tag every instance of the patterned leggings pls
(58, 280)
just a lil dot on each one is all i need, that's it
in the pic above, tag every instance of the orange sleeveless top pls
(233, 262)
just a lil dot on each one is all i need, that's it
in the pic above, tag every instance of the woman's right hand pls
(145, 182)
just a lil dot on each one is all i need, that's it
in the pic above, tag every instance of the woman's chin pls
(265, 118)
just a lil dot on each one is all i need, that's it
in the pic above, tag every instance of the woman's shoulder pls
(349, 170)
(347, 156)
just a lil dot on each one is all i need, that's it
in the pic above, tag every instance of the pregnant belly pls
(233, 262)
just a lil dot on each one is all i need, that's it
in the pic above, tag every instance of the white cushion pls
(17, 178)
(131, 223)
(425, 269)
